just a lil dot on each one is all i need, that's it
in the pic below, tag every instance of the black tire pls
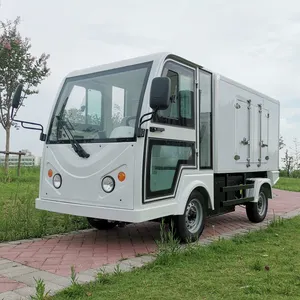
(256, 212)
(101, 224)
(181, 224)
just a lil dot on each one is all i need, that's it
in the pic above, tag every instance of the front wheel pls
(256, 212)
(190, 225)
(101, 224)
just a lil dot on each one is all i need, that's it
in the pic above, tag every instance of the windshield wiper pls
(75, 145)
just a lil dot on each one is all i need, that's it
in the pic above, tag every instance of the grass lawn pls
(19, 219)
(261, 265)
(289, 184)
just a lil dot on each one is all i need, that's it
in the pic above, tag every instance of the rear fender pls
(258, 183)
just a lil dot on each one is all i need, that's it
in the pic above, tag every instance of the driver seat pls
(123, 130)
(124, 121)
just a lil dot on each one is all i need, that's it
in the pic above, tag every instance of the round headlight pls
(108, 184)
(57, 181)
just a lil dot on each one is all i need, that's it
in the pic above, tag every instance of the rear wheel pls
(256, 212)
(101, 224)
(190, 225)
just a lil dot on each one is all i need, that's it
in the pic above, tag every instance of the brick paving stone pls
(7, 284)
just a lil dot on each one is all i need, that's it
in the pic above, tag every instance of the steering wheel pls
(128, 119)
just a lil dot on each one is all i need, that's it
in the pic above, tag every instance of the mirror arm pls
(141, 131)
(42, 135)
(30, 123)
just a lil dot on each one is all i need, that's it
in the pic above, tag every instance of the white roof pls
(158, 57)
(118, 64)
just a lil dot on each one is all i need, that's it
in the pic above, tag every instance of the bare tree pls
(116, 115)
(288, 161)
(296, 154)
(281, 143)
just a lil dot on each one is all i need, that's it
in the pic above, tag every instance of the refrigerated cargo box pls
(246, 129)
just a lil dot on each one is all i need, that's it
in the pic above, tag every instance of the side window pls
(84, 106)
(181, 109)
(118, 105)
(205, 131)
(94, 107)
(165, 159)
(75, 108)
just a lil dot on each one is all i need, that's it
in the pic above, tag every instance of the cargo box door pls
(264, 141)
(242, 131)
(261, 136)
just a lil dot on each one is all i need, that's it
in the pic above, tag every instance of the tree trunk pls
(7, 143)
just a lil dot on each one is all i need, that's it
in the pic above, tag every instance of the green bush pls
(293, 174)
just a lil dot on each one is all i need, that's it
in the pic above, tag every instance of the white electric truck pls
(156, 137)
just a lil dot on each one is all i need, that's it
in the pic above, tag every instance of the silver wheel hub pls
(193, 216)
(261, 204)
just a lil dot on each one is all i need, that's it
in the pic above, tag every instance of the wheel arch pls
(205, 195)
(200, 187)
(268, 189)
(258, 184)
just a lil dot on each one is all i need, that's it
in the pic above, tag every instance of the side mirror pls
(17, 96)
(15, 104)
(160, 93)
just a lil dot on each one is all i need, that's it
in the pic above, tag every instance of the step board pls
(234, 188)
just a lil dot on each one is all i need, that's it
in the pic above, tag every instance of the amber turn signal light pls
(121, 176)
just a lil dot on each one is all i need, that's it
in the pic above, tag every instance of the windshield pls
(100, 106)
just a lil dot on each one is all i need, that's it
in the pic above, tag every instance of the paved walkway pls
(51, 258)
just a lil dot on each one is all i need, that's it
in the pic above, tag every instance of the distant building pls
(27, 160)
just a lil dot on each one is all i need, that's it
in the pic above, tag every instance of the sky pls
(256, 43)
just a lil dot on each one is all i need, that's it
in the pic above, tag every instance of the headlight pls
(108, 184)
(57, 181)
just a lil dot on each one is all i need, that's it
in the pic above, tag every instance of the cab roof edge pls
(119, 63)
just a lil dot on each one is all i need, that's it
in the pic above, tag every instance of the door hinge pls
(249, 103)
(248, 162)
(140, 132)
(260, 108)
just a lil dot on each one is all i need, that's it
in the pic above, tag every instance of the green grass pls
(19, 219)
(288, 184)
(260, 265)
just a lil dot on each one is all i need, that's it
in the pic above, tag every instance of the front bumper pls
(147, 213)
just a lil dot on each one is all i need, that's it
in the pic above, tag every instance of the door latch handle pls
(262, 144)
(154, 129)
(245, 141)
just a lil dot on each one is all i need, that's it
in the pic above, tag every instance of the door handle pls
(262, 144)
(154, 129)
